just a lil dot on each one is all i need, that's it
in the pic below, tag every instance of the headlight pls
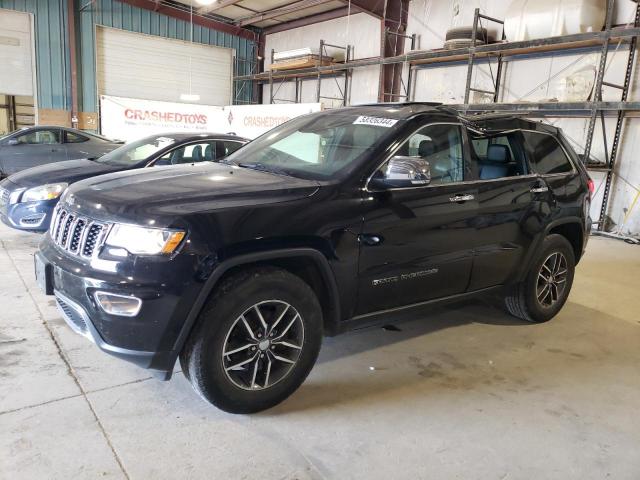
(15, 196)
(144, 241)
(44, 192)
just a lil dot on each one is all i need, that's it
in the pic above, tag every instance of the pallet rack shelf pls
(565, 42)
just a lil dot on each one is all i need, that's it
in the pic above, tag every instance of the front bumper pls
(147, 339)
(78, 319)
(28, 216)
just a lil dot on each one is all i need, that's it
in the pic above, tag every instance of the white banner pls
(251, 121)
(130, 119)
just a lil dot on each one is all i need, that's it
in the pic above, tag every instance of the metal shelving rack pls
(477, 18)
(280, 77)
(405, 88)
(591, 109)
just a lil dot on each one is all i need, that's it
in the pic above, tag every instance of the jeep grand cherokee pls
(328, 222)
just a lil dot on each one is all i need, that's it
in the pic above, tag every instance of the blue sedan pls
(28, 198)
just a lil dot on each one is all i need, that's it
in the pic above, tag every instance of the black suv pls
(332, 221)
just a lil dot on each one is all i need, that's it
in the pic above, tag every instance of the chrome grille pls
(76, 234)
(78, 228)
(92, 238)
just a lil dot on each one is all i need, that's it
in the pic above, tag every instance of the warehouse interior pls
(462, 390)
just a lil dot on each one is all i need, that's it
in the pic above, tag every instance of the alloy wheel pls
(263, 345)
(552, 280)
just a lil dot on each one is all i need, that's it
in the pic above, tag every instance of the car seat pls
(196, 154)
(208, 154)
(498, 164)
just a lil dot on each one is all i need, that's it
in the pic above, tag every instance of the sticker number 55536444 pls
(375, 121)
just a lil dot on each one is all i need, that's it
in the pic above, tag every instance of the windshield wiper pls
(264, 168)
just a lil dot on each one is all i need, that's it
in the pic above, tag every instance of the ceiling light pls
(205, 2)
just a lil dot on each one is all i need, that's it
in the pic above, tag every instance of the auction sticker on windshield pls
(375, 121)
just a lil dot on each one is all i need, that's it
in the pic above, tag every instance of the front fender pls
(218, 272)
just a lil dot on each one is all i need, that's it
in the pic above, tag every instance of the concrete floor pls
(467, 393)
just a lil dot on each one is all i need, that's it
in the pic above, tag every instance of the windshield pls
(319, 146)
(135, 152)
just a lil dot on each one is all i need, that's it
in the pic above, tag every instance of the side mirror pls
(13, 142)
(402, 172)
(162, 162)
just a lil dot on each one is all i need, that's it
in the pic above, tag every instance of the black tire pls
(523, 302)
(202, 358)
(466, 33)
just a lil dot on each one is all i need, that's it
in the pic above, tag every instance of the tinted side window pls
(499, 156)
(545, 154)
(441, 146)
(194, 153)
(40, 137)
(230, 147)
(75, 138)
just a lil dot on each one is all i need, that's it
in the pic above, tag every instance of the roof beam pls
(310, 20)
(375, 8)
(197, 19)
(217, 6)
(276, 12)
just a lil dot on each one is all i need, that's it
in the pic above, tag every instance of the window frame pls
(465, 156)
(564, 150)
(242, 144)
(200, 141)
(66, 133)
(525, 152)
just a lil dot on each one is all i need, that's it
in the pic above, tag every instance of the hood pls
(151, 194)
(69, 171)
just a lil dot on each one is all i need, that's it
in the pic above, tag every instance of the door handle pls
(539, 189)
(461, 198)
(369, 239)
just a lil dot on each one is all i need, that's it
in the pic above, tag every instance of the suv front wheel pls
(547, 285)
(256, 341)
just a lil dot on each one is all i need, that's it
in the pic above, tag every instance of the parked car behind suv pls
(30, 147)
(329, 222)
(27, 199)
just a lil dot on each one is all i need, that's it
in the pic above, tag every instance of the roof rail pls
(398, 104)
(471, 120)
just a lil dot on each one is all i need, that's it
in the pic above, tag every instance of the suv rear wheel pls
(256, 341)
(547, 285)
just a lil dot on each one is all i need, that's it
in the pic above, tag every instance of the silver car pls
(31, 147)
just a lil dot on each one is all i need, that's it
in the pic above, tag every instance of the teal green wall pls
(52, 58)
(52, 52)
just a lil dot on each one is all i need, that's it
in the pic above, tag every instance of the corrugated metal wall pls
(112, 13)
(52, 60)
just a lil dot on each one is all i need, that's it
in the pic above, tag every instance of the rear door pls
(82, 146)
(548, 159)
(512, 207)
(417, 242)
(35, 147)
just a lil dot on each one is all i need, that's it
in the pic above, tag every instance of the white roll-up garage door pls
(17, 70)
(148, 67)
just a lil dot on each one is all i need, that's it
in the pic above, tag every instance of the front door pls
(417, 242)
(32, 148)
